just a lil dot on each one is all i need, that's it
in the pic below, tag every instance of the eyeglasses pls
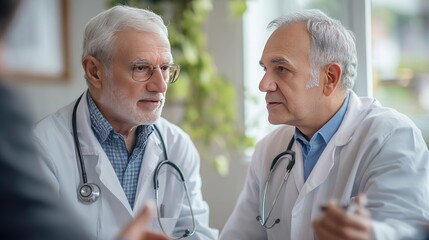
(262, 219)
(143, 71)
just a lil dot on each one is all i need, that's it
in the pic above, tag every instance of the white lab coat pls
(376, 150)
(108, 215)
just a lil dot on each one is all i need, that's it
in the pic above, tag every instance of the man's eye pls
(281, 69)
(165, 68)
(141, 68)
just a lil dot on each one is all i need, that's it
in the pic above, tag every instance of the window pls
(330, 7)
(400, 57)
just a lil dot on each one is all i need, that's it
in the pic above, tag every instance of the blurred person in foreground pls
(109, 152)
(334, 149)
(29, 209)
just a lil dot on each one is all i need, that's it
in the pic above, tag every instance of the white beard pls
(121, 105)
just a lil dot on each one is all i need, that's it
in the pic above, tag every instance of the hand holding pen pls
(350, 222)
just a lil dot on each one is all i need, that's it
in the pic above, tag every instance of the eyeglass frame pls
(262, 220)
(172, 75)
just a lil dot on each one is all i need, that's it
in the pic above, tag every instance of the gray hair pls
(330, 42)
(101, 30)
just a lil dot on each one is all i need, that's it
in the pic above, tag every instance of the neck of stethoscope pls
(77, 143)
(288, 151)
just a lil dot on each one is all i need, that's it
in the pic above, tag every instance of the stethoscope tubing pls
(94, 190)
(87, 192)
(156, 188)
(262, 219)
(76, 142)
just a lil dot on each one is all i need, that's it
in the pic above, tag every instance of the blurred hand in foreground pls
(136, 229)
(352, 222)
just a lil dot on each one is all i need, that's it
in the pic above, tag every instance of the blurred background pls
(216, 99)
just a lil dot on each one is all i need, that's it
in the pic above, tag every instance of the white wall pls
(225, 43)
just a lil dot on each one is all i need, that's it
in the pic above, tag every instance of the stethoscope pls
(90, 192)
(87, 192)
(261, 219)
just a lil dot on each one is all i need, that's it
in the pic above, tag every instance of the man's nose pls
(266, 84)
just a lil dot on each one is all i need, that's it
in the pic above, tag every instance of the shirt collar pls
(334, 123)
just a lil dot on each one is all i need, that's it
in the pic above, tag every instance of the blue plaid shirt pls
(127, 166)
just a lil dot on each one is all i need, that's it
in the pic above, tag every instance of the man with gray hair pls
(109, 152)
(341, 166)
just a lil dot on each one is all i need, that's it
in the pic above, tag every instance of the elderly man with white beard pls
(109, 152)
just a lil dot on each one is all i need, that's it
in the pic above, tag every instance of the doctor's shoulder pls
(171, 132)
(277, 139)
(54, 125)
(386, 121)
(269, 146)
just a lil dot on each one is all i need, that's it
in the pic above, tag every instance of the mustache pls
(153, 97)
(272, 99)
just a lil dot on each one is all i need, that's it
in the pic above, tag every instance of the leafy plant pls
(207, 98)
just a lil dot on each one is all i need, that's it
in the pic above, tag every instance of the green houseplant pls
(206, 98)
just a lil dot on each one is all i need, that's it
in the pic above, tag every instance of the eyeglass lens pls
(143, 71)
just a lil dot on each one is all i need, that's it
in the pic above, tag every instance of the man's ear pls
(93, 69)
(332, 78)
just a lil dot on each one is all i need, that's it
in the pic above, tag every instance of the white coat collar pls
(355, 113)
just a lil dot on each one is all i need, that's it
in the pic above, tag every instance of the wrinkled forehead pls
(136, 44)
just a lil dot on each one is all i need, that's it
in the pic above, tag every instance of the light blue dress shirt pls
(311, 150)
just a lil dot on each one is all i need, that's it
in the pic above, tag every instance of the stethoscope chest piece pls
(89, 192)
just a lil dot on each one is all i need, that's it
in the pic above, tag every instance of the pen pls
(161, 210)
(350, 208)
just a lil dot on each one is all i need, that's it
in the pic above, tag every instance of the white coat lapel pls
(321, 170)
(110, 180)
(152, 156)
(326, 161)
